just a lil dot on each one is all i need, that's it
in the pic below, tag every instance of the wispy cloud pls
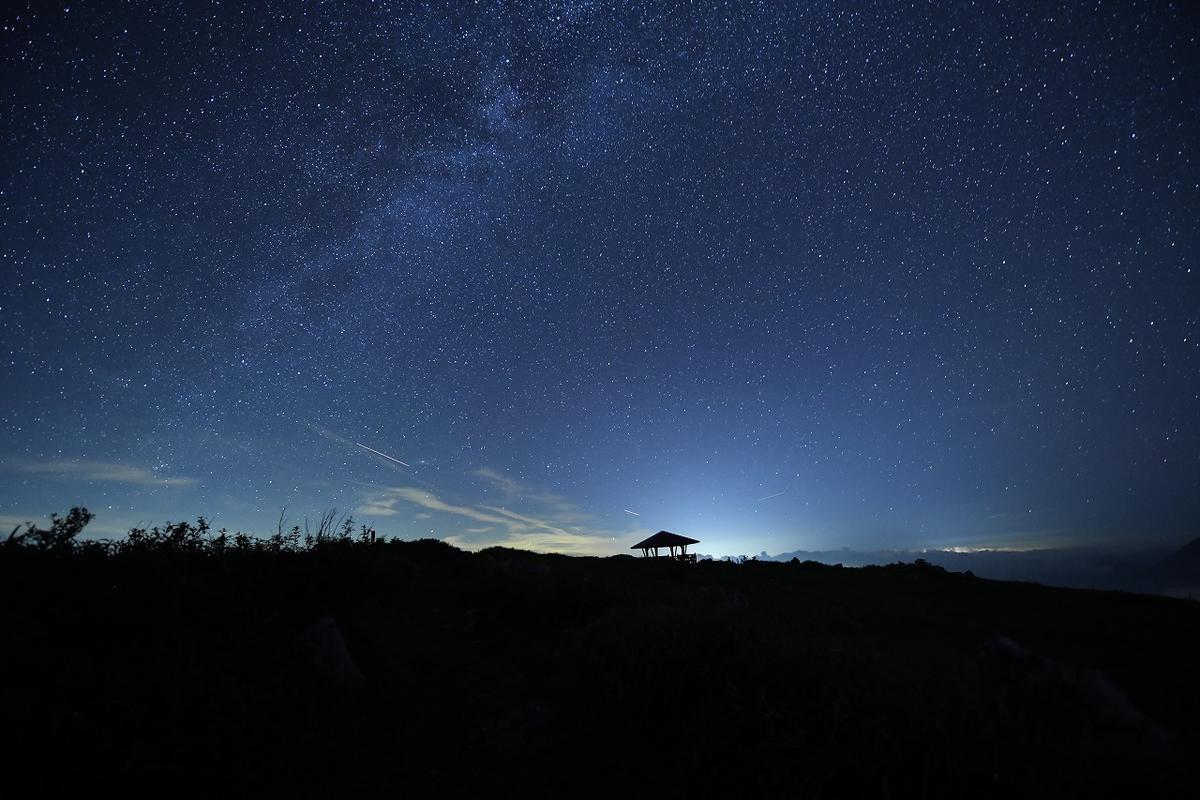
(424, 499)
(378, 507)
(97, 528)
(500, 480)
(546, 521)
(534, 523)
(575, 545)
(103, 471)
(513, 491)
(10, 521)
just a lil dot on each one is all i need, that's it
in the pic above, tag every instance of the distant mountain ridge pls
(1150, 570)
(1179, 573)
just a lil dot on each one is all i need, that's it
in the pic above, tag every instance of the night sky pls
(863, 275)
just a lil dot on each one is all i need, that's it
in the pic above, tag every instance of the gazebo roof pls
(664, 539)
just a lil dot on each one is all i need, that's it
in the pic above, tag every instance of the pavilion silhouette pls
(671, 541)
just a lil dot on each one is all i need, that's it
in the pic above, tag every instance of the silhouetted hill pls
(353, 666)
(1179, 573)
(1124, 569)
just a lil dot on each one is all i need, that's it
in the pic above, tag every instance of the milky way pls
(771, 277)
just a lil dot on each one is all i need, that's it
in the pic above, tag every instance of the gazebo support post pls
(675, 545)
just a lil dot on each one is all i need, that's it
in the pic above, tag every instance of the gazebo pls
(668, 540)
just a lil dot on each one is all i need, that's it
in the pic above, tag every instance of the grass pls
(178, 659)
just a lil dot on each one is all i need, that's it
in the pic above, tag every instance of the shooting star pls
(385, 455)
(627, 511)
(768, 497)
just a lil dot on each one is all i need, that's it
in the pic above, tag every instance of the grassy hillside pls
(178, 660)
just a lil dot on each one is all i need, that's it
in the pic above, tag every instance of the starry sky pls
(772, 275)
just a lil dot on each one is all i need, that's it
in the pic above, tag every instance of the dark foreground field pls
(416, 669)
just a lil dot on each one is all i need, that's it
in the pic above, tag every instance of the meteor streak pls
(627, 511)
(768, 497)
(385, 455)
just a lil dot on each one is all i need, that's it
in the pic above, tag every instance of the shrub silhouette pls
(197, 538)
(179, 655)
(59, 537)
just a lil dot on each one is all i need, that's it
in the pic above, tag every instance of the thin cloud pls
(513, 490)
(104, 471)
(500, 480)
(328, 434)
(570, 544)
(9, 522)
(531, 522)
(420, 497)
(379, 508)
(555, 525)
